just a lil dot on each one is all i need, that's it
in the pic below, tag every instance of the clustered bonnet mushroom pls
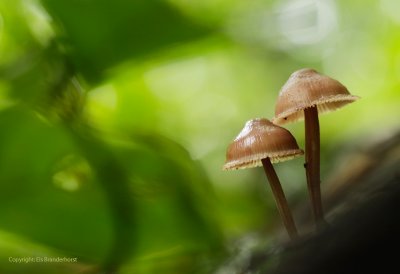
(305, 95)
(261, 143)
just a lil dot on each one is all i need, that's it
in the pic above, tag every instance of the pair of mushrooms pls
(262, 142)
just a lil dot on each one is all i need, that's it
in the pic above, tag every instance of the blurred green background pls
(115, 117)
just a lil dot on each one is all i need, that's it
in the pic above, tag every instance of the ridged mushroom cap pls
(259, 139)
(306, 88)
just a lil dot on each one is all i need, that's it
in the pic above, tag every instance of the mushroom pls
(262, 143)
(303, 96)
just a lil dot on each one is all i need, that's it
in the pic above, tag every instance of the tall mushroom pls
(262, 143)
(306, 94)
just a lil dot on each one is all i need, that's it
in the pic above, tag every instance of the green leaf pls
(47, 189)
(100, 33)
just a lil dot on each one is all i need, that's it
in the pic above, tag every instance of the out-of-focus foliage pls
(115, 116)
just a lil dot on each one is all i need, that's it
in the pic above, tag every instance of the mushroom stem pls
(312, 155)
(280, 199)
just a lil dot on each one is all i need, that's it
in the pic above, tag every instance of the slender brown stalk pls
(280, 199)
(313, 163)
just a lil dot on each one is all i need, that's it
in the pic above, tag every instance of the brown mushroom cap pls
(258, 140)
(306, 88)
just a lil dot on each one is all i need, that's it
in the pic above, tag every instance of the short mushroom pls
(303, 96)
(262, 143)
